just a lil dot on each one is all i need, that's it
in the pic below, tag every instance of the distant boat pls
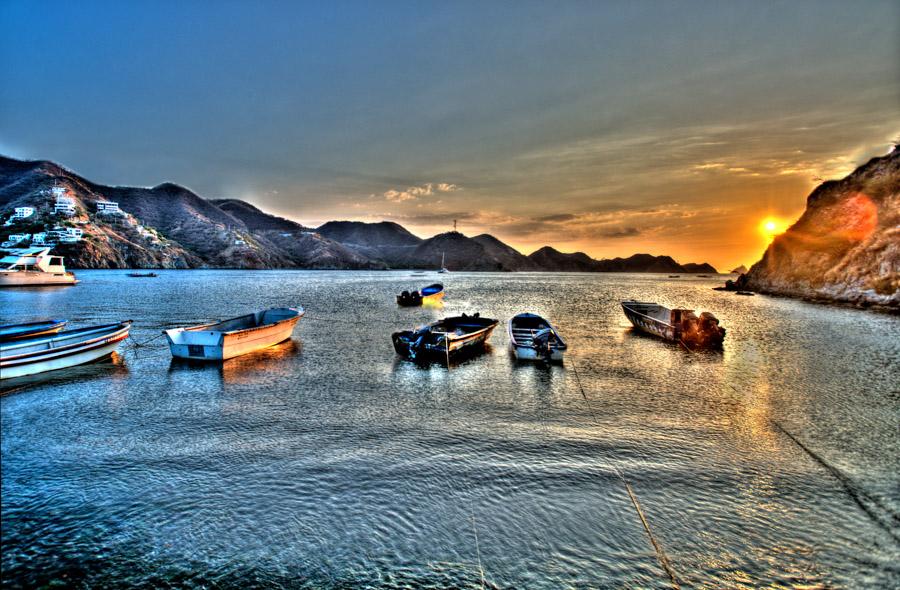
(31, 356)
(747, 293)
(33, 267)
(703, 276)
(443, 268)
(227, 339)
(674, 276)
(30, 329)
(430, 294)
(531, 337)
(448, 338)
(675, 325)
(139, 275)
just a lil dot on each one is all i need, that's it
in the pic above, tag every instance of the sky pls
(609, 127)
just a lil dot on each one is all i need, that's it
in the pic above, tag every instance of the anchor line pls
(657, 546)
(478, 551)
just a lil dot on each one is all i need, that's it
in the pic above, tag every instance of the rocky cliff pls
(846, 245)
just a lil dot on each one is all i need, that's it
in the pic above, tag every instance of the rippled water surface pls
(327, 462)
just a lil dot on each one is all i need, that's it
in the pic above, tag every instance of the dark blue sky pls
(607, 126)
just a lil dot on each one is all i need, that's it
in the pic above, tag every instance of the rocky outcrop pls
(551, 258)
(846, 245)
(739, 270)
(695, 267)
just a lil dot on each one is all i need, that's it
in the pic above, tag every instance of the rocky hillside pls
(846, 245)
(167, 226)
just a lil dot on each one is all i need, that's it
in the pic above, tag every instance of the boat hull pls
(650, 325)
(527, 353)
(33, 278)
(204, 345)
(62, 358)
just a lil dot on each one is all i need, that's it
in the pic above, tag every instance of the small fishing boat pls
(531, 337)
(674, 276)
(430, 294)
(30, 329)
(227, 339)
(141, 275)
(448, 338)
(20, 358)
(675, 325)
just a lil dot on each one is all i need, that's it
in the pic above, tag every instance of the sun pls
(772, 226)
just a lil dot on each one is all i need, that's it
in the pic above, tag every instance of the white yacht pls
(33, 267)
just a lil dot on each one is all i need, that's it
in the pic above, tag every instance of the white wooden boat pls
(30, 329)
(445, 339)
(675, 325)
(33, 267)
(227, 339)
(531, 337)
(31, 356)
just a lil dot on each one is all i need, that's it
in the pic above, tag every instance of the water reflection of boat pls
(445, 339)
(59, 351)
(227, 339)
(675, 325)
(531, 337)
(30, 329)
(111, 365)
(243, 369)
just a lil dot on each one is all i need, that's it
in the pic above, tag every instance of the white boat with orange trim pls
(227, 339)
(31, 356)
(33, 267)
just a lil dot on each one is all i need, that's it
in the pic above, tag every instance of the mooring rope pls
(854, 490)
(478, 551)
(657, 547)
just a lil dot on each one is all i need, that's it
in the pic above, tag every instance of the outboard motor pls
(541, 342)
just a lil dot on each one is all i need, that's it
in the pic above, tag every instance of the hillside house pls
(65, 205)
(20, 213)
(15, 239)
(108, 208)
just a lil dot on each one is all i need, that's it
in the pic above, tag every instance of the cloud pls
(425, 190)
(622, 232)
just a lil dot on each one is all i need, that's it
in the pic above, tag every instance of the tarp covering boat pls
(676, 325)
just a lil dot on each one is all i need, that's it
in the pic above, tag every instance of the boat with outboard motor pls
(448, 338)
(20, 358)
(675, 325)
(430, 294)
(531, 337)
(33, 267)
(220, 341)
(30, 329)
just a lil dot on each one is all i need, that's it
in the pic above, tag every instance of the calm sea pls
(327, 462)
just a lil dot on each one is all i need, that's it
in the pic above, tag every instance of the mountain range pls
(169, 226)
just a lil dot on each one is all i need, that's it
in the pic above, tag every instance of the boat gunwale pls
(628, 309)
(560, 345)
(300, 313)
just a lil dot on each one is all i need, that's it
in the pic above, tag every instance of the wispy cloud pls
(412, 193)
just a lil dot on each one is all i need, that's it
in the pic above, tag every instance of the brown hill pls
(846, 245)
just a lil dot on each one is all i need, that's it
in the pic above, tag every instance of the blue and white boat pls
(532, 338)
(20, 358)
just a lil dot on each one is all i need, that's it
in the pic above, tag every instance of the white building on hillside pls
(15, 239)
(20, 213)
(67, 235)
(65, 204)
(42, 239)
(108, 208)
